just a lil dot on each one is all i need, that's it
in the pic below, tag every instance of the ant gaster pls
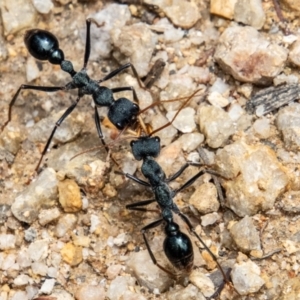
(43, 45)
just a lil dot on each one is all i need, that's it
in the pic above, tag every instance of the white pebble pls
(39, 268)
(95, 222)
(21, 279)
(216, 99)
(47, 286)
(38, 250)
(43, 6)
(7, 241)
(262, 128)
(32, 70)
(184, 122)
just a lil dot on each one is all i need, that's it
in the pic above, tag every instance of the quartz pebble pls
(246, 278)
(32, 70)
(290, 202)
(7, 241)
(119, 287)
(38, 250)
(15, 19)
(112, 16)
(113, 271)
(69, 196)
(288, 122)
(122, 239)
(205, 198)
(245, 54)
(216, 99)
(48, 215)
(256, 177)
(39, 268)
(146, 273)
(130, 38)
(202, 282)
(66, 132)
(210, 219)
(190, 141)
(21, 279)
(19, 295)
(250, 12)
(190, 292)
(184, 121)
(245, 235)
(262, 128)
(65, 224)
(42, 193)
(43, 6)
(90, 292)
(294, 54)
(11, 141)
(216, 125)
(47, 286)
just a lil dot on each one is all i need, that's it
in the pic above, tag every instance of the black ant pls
(177, 245)
(43, 45)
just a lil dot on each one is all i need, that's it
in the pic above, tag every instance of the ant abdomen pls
(43, 45)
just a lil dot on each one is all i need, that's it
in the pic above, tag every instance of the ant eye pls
(157, 139)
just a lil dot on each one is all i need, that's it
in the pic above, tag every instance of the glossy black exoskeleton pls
(177, 245)
(122, 112)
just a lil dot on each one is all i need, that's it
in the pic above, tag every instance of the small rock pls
(39, 268)
(290, 289)
(21, 279)
(67, 131)
(216, 99)
(43, 6)
(9, 262)
(23, 258)
(205, 198)
(246, 278)
(38, 250)
(32, 70)
(250, 12)
(7, 241)
(90, 292)
(47, 286)
(42, 193)
(182, 13)
(69, 195)
(291, 202)
(30, 234)
(288, 122)
(245, 235)
(216, 125)
(128, 39)
(65, 224)
(113, 271)
(190, 141)
(223, 8)
(122, 239)
(202, 282)
(19, 295)
(257, 177)
(46, 216)
(245, 54)
(112, 16)
(188, 293)
(209, 219)
(11, 141)
(146, 273)
(262, 128)
(294, 54)
(119, 286)
(184, 121)
(15, 19)
(60, 294)
(71, 254)
(4, 212)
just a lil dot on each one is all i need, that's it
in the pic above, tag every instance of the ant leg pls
(180, 171)
(57, 124)
(127, 88)
(136, 205)
(99, 130)
(87, 51)
(144, 230)
(49, 89)
(137, 180)
(192, 229)
(119, 70)
(194, 178)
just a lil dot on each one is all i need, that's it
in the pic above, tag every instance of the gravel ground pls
(67, 234)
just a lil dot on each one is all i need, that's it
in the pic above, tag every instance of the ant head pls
(145, 146)
(123, 113)
(43, 45)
